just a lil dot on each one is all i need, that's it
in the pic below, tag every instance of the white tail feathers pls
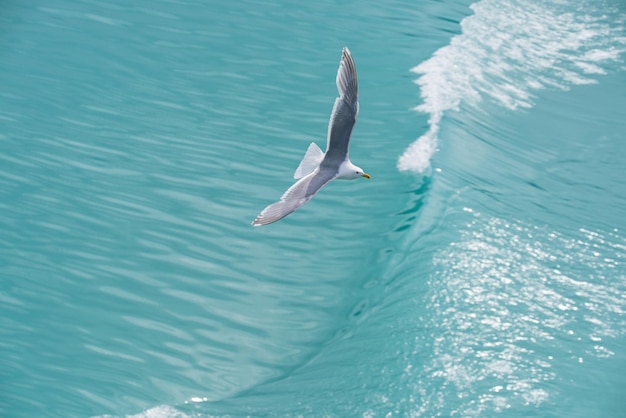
(310, 162)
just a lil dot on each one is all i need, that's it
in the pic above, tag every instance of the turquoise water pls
(479, 273)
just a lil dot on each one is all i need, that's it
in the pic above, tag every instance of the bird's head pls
(350, 171)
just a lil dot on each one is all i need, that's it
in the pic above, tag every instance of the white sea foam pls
(507, 50)
(161, 411)
(506, 296)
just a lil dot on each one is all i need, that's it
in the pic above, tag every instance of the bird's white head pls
(349, 171)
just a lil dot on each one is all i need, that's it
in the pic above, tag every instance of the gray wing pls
(345, 111)
(297, 195)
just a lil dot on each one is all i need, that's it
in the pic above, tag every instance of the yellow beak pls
(367, 176)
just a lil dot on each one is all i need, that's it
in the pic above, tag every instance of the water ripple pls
(513, 311)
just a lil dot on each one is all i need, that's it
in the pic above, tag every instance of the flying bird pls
(317, 168)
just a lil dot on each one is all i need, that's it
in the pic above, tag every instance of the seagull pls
(317, 168)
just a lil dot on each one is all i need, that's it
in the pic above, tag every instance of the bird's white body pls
(313, 158)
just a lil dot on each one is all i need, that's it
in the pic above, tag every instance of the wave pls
(506, 298)
(507, 50)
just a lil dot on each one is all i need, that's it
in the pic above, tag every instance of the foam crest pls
(506, 51)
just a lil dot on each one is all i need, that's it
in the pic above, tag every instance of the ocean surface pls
(481, 272)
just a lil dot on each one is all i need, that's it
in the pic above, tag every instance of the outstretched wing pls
(297, 195)
(345, 111)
